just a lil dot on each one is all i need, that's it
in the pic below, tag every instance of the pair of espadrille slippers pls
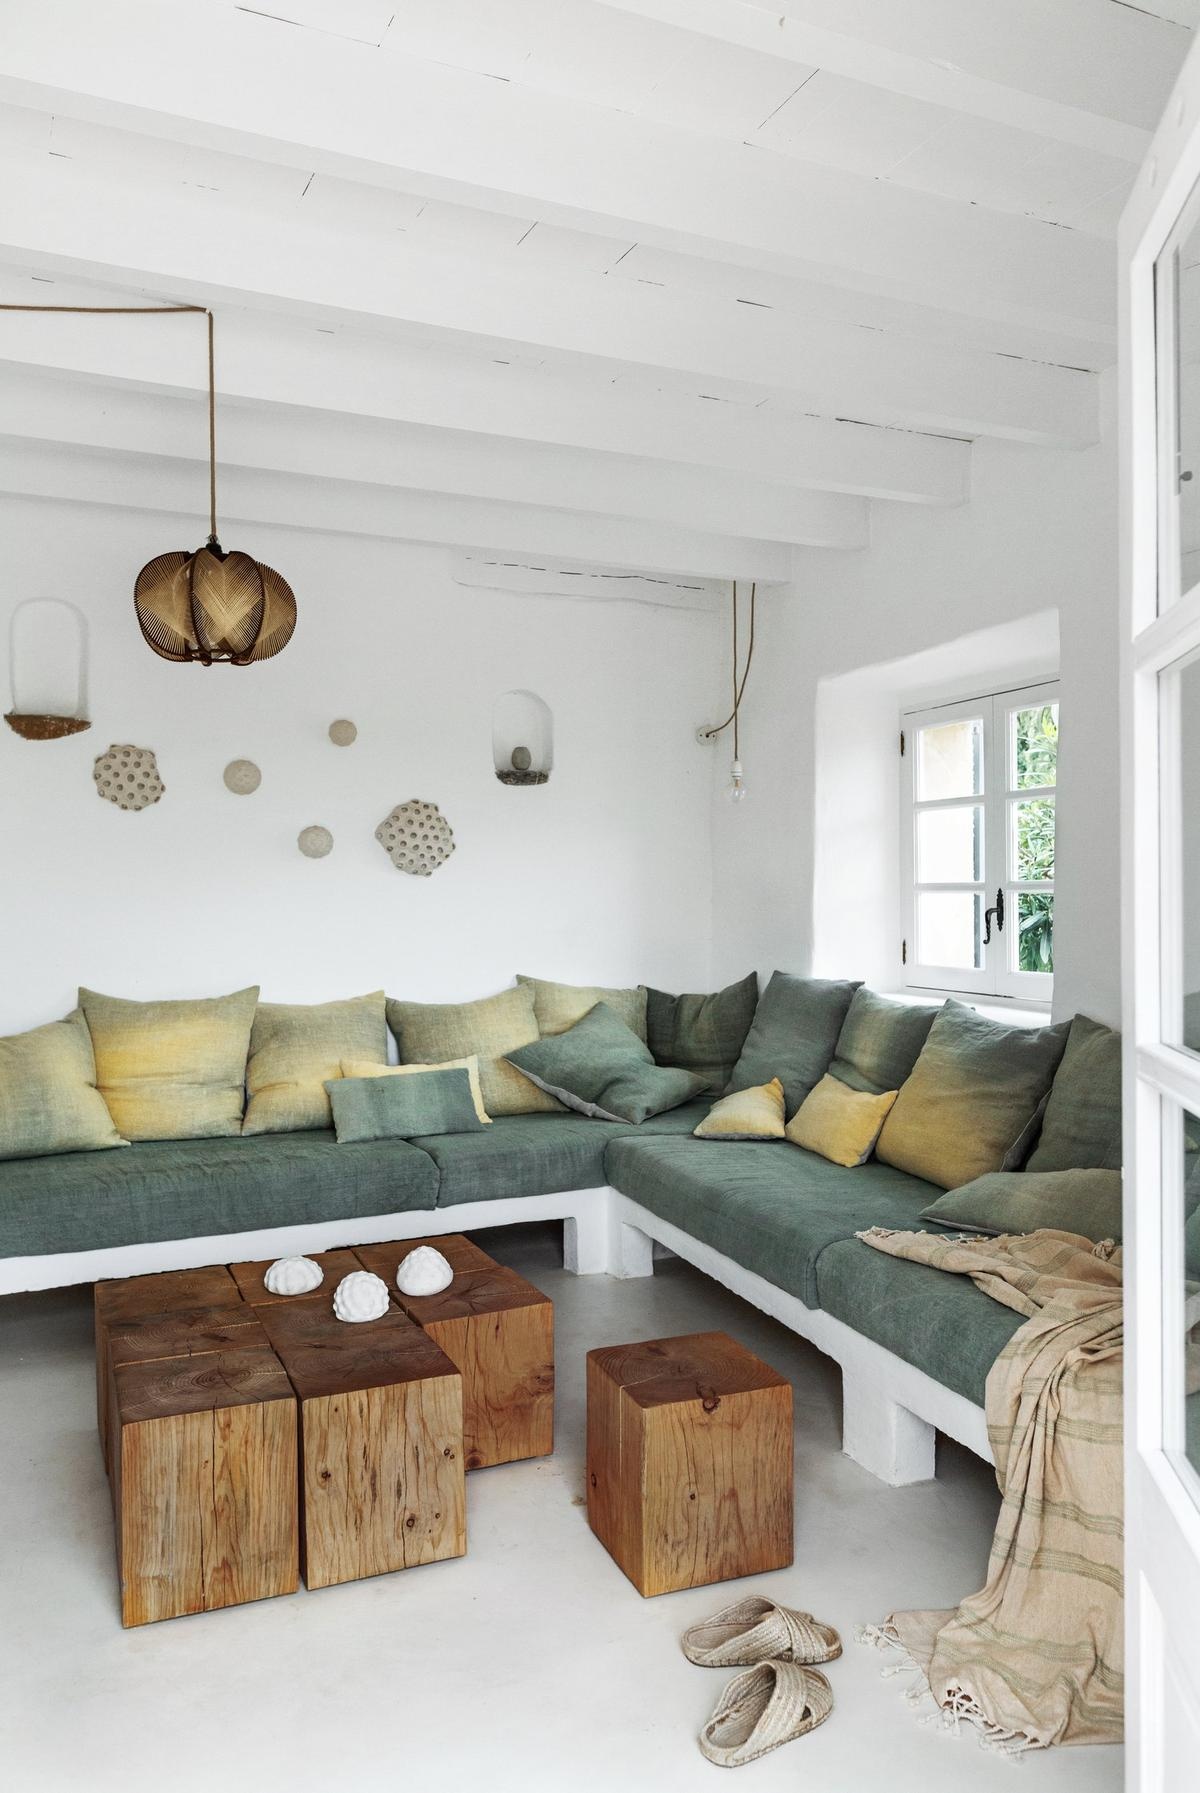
(781, 1695)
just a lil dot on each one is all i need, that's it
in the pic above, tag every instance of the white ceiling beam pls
(261, 87)
(282, 361)
(1084, 72)
(146, 483)
(288, 439)
(183, 244)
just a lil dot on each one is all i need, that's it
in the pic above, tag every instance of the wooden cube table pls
(689, 1461)
(204, 1482)
(381, 1442)
(499, 1330)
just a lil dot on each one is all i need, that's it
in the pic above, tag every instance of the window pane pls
(1034, 944)
(1185, 475)
(949, 930)
(1191, 1286)
(1188, 678)
(950, 845)
(1033, 839)
(1035, 746)
(950, 760)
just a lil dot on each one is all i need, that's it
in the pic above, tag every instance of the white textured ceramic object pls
(242, 777)
(315, 842)
(343, 732)
(128, 776)
(293, 1276)
(416, 837)
(424, 1272)
(360, 1296)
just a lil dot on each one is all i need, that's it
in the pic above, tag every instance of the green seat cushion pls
(941, 1324)
(599, 1067)
(537, 1154)
(793, 1034)
(771, 1207)
(183, 1189)
(880, 1041)
(704, 1034)
(1081, 1126)
(1087, 1202)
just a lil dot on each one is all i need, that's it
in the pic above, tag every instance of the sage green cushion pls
(48, 1096)
(1081, 1127)
(429, 1033)
(772, 1207)
(296, 1047)
(601, 1068)
(880, 1042)
(537, 1154)
(171, 1070)
(971, 1098)
(793, 1034)
(941, 1324)
(559, 1006)
(184, 1189)
(704, 1034)
(399, 1107)
(1087, 1202)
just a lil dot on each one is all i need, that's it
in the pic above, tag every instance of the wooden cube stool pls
(499, 1331)
(689, 1461)
(381, 1442)
(204, 1469)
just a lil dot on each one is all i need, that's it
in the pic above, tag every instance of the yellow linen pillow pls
(48, 1096)
(171, 1070)
(437, 1033)
(469, 1065)
(747, 1114)
(296, 1047)
(558, 1007)
(840, 1123)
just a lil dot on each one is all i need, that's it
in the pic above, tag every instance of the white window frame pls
(998, 975)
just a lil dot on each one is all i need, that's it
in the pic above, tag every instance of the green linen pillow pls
(880, 1042)
(600, 1068)
(1081, 1128)
(746, 1114)
(469, 1065)
(432, 1101)
(172, 1070)
(559, 1006)
(704, 1034)
(295, 1047)
(48, 1096)
(793, 1034)
(1087, 1202)
(972, 1094)
(431, 1032)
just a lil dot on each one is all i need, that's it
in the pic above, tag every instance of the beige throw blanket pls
(1036, 1656)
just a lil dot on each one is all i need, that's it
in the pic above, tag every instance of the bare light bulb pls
(737, 783)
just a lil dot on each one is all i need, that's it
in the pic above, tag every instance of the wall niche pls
(522, 738)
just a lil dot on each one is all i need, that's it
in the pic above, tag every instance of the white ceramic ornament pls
(360, 1296)
(424, 1272)
(293, 1276)
(315, 842)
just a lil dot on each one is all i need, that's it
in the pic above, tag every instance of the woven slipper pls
(757, 1630)
(763, 1708)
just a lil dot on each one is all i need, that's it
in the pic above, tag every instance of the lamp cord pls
(739, 686)
(159, 311)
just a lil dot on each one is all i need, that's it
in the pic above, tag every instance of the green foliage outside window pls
(1037, 764)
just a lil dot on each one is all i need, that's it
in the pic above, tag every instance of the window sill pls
(994, 1008)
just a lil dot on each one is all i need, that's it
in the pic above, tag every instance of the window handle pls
(998, 912)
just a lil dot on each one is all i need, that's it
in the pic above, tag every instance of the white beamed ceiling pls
(683, 286)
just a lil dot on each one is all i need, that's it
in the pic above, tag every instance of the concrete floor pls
(531, 1663)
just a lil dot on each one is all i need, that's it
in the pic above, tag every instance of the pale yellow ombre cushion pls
(438, 1033)
(296, 1047)
(748, 1114)
(470, 1065)
(840, 1123)
(172, 1070)
(48, 1096)
(558, 1007)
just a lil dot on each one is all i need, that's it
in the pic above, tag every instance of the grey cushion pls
(1086, 1202)
(599, 1067)
(398, 1107)
(190, 1188)
(772, 1207)
(704, 1034)
(940, 1323)
(793, 1035)
(1081, 1123)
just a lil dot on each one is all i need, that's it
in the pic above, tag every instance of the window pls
(977, 843)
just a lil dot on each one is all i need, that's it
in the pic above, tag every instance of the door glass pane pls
(1191, 1287)
(1186, 474)
(950, 845)
(1032, 839)
(950, 760)
(1034, 940)
(949, 930)
(1035, 746)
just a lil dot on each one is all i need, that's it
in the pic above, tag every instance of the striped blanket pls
(1036, 1657)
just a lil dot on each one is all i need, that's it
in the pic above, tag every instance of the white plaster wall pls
(1039, 533)
(603, 875)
